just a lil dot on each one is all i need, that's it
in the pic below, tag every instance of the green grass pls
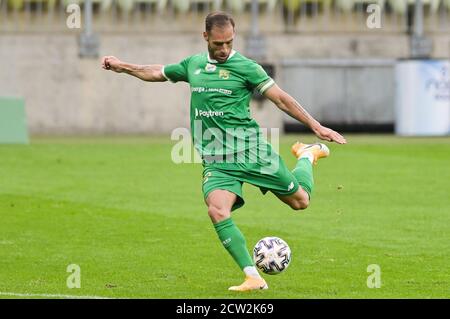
(137, 226)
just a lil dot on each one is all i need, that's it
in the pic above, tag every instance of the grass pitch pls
(137, 226)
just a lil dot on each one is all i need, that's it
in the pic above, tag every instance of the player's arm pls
(150, 73)
(290, 106)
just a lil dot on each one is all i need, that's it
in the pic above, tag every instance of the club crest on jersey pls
(224, 74)
(210, 67)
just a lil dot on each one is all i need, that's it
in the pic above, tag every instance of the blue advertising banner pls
(422, 97)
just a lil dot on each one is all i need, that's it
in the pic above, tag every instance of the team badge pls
(224, 74)
(210, 67)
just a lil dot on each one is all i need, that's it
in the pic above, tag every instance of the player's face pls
(220, 42)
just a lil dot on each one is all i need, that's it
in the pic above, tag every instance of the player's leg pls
(297, 201)
(223, 194)
(219, 204)
(307, 155)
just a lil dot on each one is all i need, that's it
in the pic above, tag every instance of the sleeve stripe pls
(260, 85)
(164, 74)
(263, 83)
(266, 85)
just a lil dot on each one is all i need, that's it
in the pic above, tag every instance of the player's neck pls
(211, 60)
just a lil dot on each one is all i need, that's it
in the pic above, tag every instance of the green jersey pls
(221, 124)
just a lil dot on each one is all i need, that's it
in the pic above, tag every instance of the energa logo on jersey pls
(208, 113)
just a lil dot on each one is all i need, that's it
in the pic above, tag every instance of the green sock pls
(234, 242)
(303, 172)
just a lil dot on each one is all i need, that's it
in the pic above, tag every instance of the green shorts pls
(280, 181)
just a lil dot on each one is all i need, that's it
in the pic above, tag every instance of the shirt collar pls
(233, 52)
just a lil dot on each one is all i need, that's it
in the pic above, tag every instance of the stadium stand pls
(298, 16)
(305, 40)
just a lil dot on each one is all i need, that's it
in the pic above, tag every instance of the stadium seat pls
(345, 5)
(239, 5)
(19, 4)
(400, 6)
(104, 4)
(183, 6)
(128, 5)
(434, 5)
(125, 5)
(159, 4)
(294, 5)
(349, 5)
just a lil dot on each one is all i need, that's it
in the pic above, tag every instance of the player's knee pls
(300, 204)
(217, 213)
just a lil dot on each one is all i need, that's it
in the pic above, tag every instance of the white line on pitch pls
(14, 294)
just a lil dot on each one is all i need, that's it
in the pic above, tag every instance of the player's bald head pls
(218, 19)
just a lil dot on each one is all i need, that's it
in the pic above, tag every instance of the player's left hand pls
(329, 135)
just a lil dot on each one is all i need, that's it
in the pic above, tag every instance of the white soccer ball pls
(272, 255)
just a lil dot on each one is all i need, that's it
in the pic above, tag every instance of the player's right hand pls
(111, 63)
(328, 134)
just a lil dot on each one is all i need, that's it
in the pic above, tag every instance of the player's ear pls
(205, 36)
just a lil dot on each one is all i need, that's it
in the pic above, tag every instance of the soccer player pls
(222, 81)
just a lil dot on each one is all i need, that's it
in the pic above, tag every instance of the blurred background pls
(339, 58)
